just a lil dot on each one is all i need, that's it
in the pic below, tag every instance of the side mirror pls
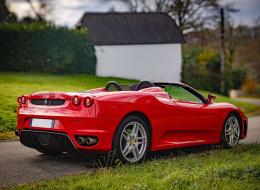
(210, 98)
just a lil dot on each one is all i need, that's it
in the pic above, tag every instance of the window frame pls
(187, 88)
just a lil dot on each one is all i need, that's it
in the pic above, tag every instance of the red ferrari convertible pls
(130, 120)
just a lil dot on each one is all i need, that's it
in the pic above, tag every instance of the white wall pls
(156, 62)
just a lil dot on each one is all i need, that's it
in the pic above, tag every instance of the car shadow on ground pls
(180, 152)
(94, 161)
(71, 159)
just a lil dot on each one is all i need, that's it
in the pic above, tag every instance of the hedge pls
(201, 69)
(40, 48)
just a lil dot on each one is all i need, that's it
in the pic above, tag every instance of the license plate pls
(43, 123)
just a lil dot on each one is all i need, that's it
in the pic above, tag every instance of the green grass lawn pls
(13, 85)
(237, 168)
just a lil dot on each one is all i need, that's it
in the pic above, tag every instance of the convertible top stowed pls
(130, 120)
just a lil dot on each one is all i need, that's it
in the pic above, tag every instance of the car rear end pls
(62, 122)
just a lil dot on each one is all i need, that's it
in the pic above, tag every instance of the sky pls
(68, 12)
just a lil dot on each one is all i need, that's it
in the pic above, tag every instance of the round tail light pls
(76, 100)
(21, 99)
(88, 101)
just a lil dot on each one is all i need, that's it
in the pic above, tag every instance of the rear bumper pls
(53, 141)
(69, 127)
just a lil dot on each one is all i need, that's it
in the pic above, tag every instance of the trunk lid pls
(53, 95)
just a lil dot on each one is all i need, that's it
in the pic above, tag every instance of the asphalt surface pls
(19, 164)
(253, 133)
(250, 100)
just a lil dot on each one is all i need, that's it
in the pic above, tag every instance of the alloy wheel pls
(232, 131)
(133, 141)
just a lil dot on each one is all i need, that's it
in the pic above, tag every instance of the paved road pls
(250, 100)
(253, 134)
(19, 164)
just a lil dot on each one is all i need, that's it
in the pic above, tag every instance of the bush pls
(239, 75)
(250, 86)
(201, 69)
(37, 47)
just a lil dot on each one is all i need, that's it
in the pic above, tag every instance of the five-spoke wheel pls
(132, 139)
(231, 131)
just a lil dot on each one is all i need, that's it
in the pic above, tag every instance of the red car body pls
(173, 123)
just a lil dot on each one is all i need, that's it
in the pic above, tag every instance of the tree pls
(41, 10)
(194, 14)
(5, 15)
(189, 14)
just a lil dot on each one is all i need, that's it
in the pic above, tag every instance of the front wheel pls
(132, 140)
(231, 131)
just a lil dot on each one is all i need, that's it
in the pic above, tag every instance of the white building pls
(144, 46)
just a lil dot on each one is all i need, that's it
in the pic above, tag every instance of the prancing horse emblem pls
(45, 102)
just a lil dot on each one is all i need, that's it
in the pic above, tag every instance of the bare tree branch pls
(189, 14)
(42, 9)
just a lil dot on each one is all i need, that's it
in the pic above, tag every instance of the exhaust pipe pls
(86, 141)
(81, 140)
(91, 141)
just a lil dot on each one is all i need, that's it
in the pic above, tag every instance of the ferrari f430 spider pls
(128, 119)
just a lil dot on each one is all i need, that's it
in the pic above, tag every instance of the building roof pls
(130, 28)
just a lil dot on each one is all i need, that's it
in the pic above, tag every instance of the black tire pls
(49, 152)
(223, 140)
(117, 138)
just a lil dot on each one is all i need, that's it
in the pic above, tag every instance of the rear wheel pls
(132, 140)
(231, 131)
